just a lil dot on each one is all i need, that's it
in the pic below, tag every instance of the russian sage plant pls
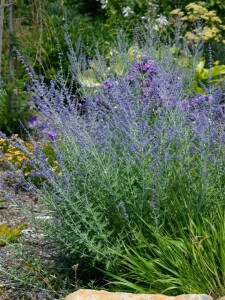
(137, 146)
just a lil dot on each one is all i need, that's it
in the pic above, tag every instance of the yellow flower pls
(20, 159)
(9, 156)
(189, 36)
(209, 33)
(17, 152)
(175, 11)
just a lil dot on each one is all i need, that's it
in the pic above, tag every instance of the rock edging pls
(86, 294)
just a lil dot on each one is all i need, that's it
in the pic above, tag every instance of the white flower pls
(127, 11)
(162, 21)
(103, 3)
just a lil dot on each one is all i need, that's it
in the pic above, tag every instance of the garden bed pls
(11, 215)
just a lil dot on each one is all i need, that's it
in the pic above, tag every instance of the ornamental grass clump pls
(169, 263)
(137, 146)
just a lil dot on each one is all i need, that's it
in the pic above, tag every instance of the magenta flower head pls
(33, 122)
(52, 134)
(144, 66)
(199, 100)
(149, 65)
(185, 104)
(136, 67)
(147, 91)
(107, 84)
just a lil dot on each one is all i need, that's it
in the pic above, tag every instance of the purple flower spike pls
(147, 91)
(147, 66)
(198, 100)
(52, 134)
(136, 67)
(185, 105)
(107, 84)
(33, 122)
(131, 78)
(43, 127)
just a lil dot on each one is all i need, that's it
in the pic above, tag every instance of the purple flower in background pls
(185, 104)
(136, 67)
(79, 105)
(43, 127)
(144, 67)
(33, 122)
(144, 71)
(130, 78)
(149, 66)
(147, 91)
(107, 84)
(148, 81)
(198, 100)
(52, 134)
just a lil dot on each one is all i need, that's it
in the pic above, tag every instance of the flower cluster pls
(14, 155)
(148, 81)
(211, 106)
(144, 71)
(197, 13)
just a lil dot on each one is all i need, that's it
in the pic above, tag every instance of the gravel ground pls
(11, 215)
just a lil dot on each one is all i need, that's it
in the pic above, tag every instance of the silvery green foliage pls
(136, 146)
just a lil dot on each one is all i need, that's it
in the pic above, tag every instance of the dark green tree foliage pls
(85, 6)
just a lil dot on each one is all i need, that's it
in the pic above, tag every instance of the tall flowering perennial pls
(138, 143)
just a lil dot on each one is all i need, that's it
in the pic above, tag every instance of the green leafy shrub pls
(14, 110)
(219, 5)
(128, 14)
(204, 77)
(40, 35)
(167, 5)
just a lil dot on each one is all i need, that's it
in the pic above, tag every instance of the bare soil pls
(11, 215)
